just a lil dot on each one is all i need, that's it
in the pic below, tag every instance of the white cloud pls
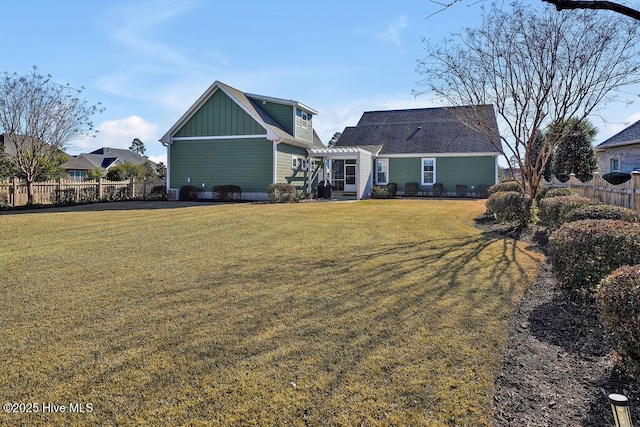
(393, 30)
(117, 134)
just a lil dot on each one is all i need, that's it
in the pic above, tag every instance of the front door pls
(350, 175)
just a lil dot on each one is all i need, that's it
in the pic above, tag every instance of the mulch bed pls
(558, 368)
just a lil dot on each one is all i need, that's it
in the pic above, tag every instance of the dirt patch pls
(558, 368)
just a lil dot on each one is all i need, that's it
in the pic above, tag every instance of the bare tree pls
(536, 67)
(39, 117)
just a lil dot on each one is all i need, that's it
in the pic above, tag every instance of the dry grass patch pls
(369, 313)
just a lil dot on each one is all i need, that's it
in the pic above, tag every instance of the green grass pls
(368, 313)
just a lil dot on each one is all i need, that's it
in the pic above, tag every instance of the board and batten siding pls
(220, 116)
(450, 171)
(246, 162)
(283, 114)
(284, 172)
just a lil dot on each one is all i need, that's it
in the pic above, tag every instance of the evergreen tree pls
(575, 152)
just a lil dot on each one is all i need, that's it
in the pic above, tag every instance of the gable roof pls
(104, 158)
(422, 130)
(248, 103)
(8, 147)
(629, 135)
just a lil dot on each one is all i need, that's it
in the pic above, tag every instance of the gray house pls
(425, 146)
(621, 152)
(102, 159)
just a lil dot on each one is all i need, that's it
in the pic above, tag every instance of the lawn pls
(367, 313)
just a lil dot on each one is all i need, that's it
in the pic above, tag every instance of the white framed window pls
(428, 172)
(305, 118)
(382, 171)
(304, 163)
(615, 164)
(295, 163)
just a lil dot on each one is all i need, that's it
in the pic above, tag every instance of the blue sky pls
(147, 61)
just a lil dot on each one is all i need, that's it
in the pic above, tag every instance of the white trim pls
(385, 170)
(275, 162)
(211, 138)
(422, 182)
(282, 101)
(434, 155)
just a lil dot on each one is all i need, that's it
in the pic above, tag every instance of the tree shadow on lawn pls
(127, 205)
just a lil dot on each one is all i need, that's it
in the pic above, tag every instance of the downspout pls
(168, 177)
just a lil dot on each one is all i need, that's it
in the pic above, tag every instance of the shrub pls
(616, 178)
(553, 211)
(562, 191)
(158, 192)
(282, 192)
(482, 191)
(505, 186)
(226, 193)
(392, 188)
(381, 192)
(438, 189)
(461, 190)
(510, 206)
(63, 196)
(603, 212)
(618, 302)
(112, 193)
(189, 192)
(411, 189)
(585, 252)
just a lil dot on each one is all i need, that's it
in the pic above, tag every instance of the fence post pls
(132, 191)
(100, 190)
(14, 191)
(635, 180)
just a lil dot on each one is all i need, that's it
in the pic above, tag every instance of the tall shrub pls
(618, 302)
(282, 192)
(510, 206)
(552, 211)
(585, 252)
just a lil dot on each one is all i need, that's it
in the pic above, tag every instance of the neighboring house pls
(8, 147)
(621, 152)
(102, 159)
(228, 137)
(426, 146)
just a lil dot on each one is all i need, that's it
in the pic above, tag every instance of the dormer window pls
(305, 119)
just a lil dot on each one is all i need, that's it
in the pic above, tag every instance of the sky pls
(148, 61)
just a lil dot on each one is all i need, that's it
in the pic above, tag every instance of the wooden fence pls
(626, 195)
(14, 192)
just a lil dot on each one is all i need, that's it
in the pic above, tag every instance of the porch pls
(348, 170)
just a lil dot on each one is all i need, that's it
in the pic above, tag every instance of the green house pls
(426, 146)
(229, 137)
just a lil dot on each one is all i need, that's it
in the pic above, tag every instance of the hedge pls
(382, 192)
(461, 190)
(618, 302)
(510, 206)
(438, 189)
(585, 252)
(226, 193)
(616, 178)
(282, 192)
(411, 189)
(189, 192)
(505, 186)
(553, 211)
(603, 212)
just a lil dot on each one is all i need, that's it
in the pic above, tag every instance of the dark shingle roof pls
(424, 130)
(630, 135)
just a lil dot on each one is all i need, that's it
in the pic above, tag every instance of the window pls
(615, 165)
(295, 163)
(77, 175)
(382, 167)
(305, 119)
(304, 164)
(428, 171)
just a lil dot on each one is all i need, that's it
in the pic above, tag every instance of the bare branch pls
(596, 5)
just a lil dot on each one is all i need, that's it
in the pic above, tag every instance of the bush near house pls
(392, 188)
(552, 211)
(461, 190)
(505, 186)
(189, 192)
(282, 192)
(158, 192)
(584, 252)
(510, 206)
(482, 191)
(603, 212)
(382, 192)
(438, 189)
(618, 302)
(411, 189)
(226, 193)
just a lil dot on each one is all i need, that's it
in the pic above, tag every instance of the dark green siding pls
(285, 173)
(283, 114)
(244, 162)
(220, 116)
(450, 171)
